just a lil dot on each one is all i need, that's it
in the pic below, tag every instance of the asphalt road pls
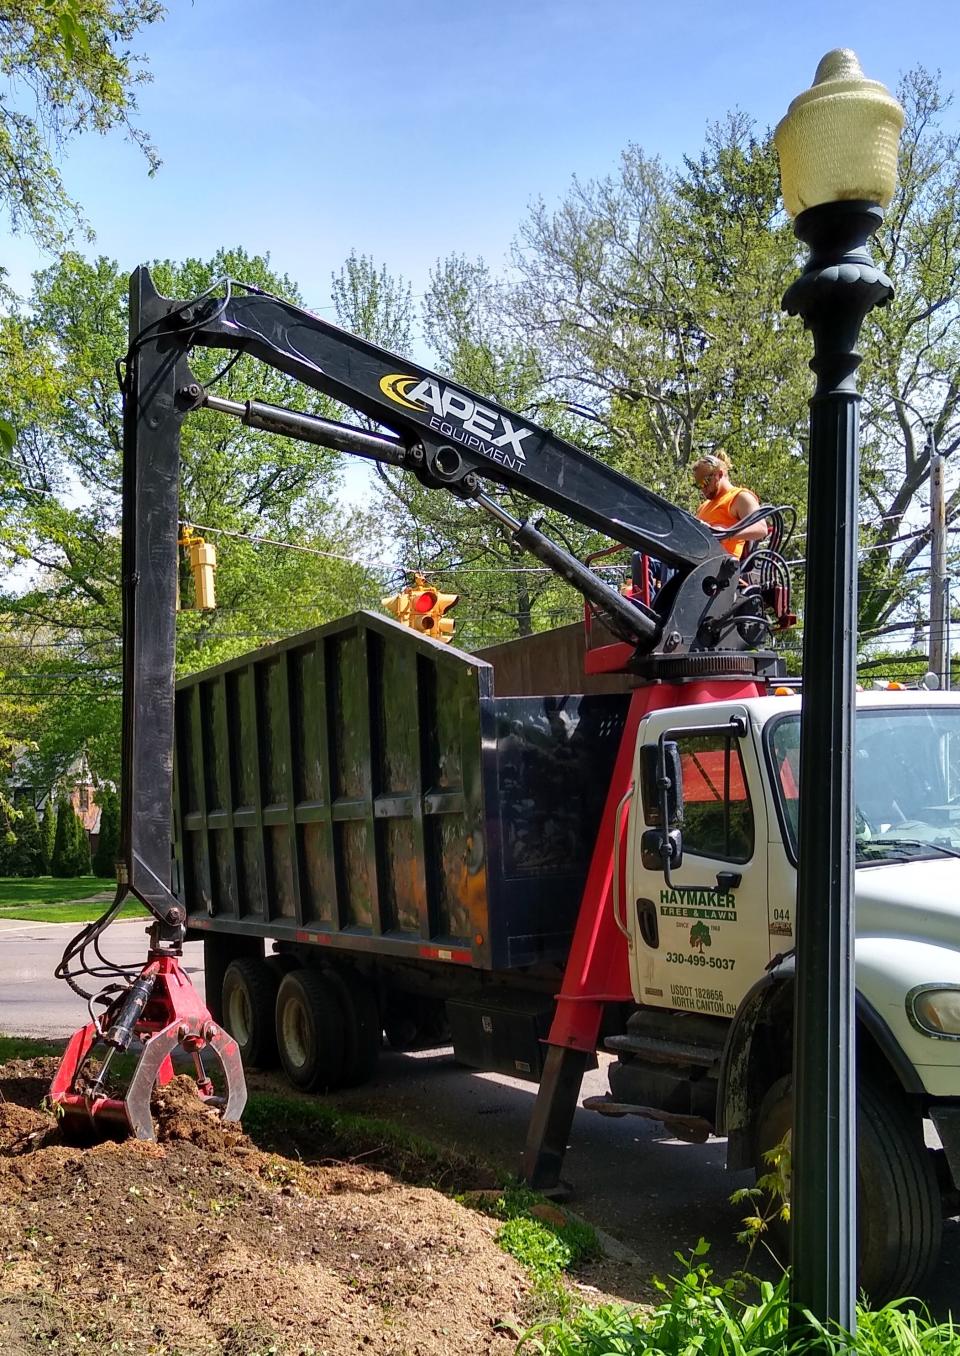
(655, 1194)
(32, 1002)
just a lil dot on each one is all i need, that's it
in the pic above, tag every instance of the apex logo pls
(421, 394)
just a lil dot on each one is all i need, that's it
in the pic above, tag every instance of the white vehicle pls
(711, 953)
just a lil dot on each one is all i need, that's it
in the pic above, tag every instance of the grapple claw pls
(158, 1051)
(173, 1017)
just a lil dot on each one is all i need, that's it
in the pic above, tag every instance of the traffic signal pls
(445, 626)
(428, 606)
(422, 607)
(202, 556)
(399, 605)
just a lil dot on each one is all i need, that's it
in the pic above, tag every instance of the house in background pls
(80, 790)
(81, 796)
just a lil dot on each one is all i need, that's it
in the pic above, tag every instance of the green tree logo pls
(700, 936)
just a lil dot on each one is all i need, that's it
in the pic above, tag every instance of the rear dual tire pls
(327, 1029)
(249, 998)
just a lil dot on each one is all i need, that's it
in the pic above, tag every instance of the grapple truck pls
(577, 842)
(371, 837)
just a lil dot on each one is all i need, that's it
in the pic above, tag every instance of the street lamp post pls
(838, 155)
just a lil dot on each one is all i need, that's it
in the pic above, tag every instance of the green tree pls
(654, 299)
(81, 847)
(63, 857)
(246, 491)
(503, 594)
(27, 855)
(372, 303)
(48, 832)
(108, 842)
(911, 369)
(8, 839)
(71, 846)
(645, 327)
(67, 67)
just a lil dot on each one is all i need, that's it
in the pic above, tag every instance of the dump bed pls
(361, 786)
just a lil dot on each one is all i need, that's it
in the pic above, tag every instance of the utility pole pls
(939, 605)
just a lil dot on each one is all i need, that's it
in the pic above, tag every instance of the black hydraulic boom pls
(706, 616)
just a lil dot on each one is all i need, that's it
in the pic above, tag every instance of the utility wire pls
(273, 541)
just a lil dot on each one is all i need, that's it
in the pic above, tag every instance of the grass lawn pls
(48, 899)
(27, 1047)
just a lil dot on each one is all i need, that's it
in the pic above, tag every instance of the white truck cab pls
(710, 946)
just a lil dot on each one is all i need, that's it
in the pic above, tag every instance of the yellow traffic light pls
(203, 564)
(421, 607)
(399, 605)
(429, 606)
(444, 626)
(423, 599)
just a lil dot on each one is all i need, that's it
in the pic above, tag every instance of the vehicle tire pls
(898, 1200)
(311, 1031)
(364, 1030)
(248, 998)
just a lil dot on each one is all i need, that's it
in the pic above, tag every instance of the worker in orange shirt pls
(725, 504)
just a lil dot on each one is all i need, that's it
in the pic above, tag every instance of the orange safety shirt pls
(718, 512)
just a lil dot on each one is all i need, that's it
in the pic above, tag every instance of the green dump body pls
(361, 786)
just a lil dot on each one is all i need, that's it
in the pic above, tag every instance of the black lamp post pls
(838, 156)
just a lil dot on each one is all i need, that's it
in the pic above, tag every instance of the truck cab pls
(710, 944)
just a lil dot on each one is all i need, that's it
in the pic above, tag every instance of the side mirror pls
(661, 851)
(662, 787)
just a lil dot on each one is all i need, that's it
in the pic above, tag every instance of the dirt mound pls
(200, 1244)
(180, 1115)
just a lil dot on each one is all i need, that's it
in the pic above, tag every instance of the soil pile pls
(200, 1243)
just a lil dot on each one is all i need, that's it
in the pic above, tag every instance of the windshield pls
(906, 782)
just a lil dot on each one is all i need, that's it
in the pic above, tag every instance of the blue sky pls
(409, 132)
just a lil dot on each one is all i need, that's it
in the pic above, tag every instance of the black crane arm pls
(448, 436)
(460, 432)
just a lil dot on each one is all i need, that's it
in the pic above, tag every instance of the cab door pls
(700, 941)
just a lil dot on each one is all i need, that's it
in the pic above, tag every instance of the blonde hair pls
(718, 458)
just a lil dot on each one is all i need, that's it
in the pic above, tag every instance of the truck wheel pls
(364, 1030)
(311, 1031)
(249, 996)
(898, 1200)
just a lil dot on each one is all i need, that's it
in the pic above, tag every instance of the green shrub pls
(81, 848)
(536, 1246)
(700, 1317)
(544, 1246)
(71, 846)
(770, 1196)
(899, 1330)
(108, 843)
(48, 832)
(8, 840)
(27, 855)
(697, 1316)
